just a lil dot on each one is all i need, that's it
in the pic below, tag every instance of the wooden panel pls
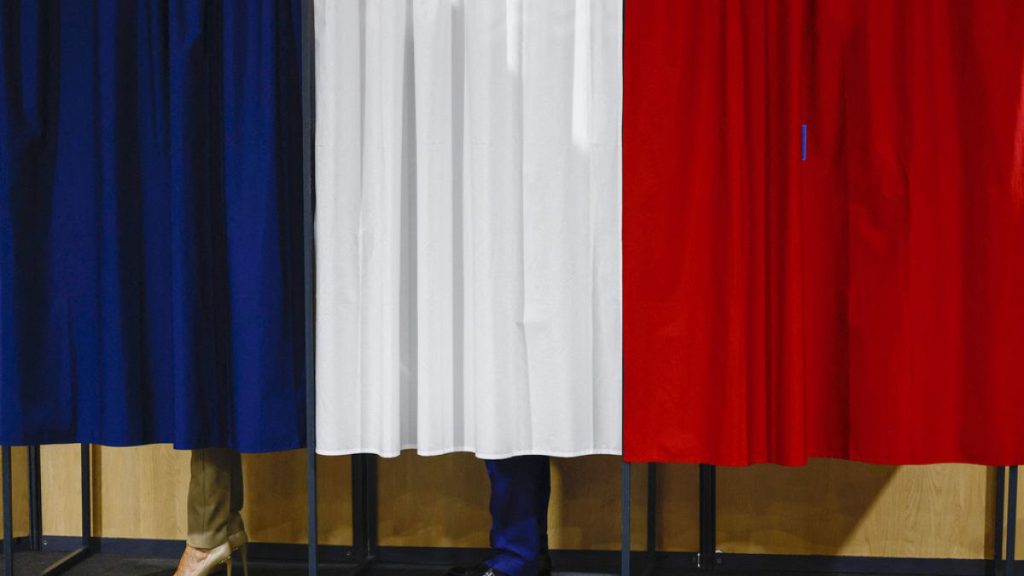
(275, 508)
(438, 501)
(842, 508)
(443, 501)
(679, 507)
(586, 500)
(19, 491)
(1020, 521)
(828, 507)
(142, 493)
(61, 495)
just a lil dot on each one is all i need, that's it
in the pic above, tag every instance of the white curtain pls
(468, 171)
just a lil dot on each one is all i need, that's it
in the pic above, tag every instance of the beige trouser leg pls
(214, 497)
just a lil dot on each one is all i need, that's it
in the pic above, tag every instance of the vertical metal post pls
(86, 497)
(8, 514)
(308, 136)
(997, 554)
(627, 502)
(652, 515)
(708, 515)
(358, 504)
(370, 492)
(35, 499)
(360, 550)
(311, 504)
(1011, 521)
(627, 508)
(364, 508)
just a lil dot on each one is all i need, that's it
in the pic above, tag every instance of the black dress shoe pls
(482, 569)
(545, 566)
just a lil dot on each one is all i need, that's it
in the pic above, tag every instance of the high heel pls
(240, 541)
(215, 558)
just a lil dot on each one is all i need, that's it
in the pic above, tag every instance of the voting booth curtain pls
(150, 224)
(858, 294)
(468, 226)
(821, 217)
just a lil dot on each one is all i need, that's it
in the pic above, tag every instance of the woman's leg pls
(214, 506)
(214, 497)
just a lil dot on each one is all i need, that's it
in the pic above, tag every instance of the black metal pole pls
(652, 511)
(364, 509)
(371, 506)
(708, 516)
(35, 499)
(627, 508)
(8, 514)
(652, 519)
(86, 497)
(997, 554)
(1011, 521)
(358, 509)
(308, 135)
(627, 503)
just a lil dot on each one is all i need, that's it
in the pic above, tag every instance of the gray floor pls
(33, 563)
(119, 565)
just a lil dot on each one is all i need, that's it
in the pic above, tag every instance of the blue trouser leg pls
(520, 490)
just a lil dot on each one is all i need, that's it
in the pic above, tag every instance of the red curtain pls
(866, 303)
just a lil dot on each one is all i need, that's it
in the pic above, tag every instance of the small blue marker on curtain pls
(803, 143)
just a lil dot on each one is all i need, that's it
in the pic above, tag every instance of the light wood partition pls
(828, 507)
(443, 501)
(848, 509)
(679, 508)
(19, 491)
(142, 493)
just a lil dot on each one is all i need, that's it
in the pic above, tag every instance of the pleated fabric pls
(150, 224)
(468, 226)
(857, 297)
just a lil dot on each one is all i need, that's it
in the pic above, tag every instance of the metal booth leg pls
(1011, 521)
(8, 514)
(627, 509)
(707, 557)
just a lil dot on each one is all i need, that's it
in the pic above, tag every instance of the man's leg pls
(520, 490)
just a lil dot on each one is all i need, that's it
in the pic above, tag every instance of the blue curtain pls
(151, 277)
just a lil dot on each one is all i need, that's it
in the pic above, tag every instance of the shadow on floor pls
(32, 563)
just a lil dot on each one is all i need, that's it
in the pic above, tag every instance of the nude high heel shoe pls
(240, 541)
(215, 558)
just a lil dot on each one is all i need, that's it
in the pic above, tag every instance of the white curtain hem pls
(481, 455)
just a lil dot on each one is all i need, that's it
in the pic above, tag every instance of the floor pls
(33, 563)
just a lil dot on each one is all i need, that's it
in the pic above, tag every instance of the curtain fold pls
(468, 226)
(865, 303)
(150, 224)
